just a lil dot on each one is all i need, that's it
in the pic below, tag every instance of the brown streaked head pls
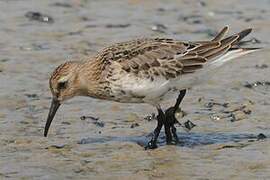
(64, 84)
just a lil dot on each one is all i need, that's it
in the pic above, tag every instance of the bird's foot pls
(151, 145)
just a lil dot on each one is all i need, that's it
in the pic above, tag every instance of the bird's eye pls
(62, 85)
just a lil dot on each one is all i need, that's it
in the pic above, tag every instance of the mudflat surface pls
(230, 110)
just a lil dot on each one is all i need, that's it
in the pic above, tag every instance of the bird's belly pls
(132, 89)
(129, 88)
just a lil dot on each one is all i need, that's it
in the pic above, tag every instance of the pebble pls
(159, 28)
(37, 16)
(150, 117)
(94, 119)
(256, 84)
(261, 136)
(89, 117)
(32, 96)
(66, 123)
(134, 125)
(99, 124)
(237, 116)
(189, 125)
(192, 19)
(263, 66)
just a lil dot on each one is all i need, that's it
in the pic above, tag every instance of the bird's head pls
(64, 84)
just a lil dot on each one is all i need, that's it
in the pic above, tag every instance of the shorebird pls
(145, 71)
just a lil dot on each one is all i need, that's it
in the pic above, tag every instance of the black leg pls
(170, 119)
(152, 144)
(179, 99)
(168, 133)
(174, 134)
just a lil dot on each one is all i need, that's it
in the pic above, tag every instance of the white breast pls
(130, 88)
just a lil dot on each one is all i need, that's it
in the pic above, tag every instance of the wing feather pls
(170, 58)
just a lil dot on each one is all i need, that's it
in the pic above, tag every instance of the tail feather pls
(233, 49)
(221, 34)
(232, 54)
(231, 44)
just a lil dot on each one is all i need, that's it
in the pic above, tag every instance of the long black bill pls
(54, 106)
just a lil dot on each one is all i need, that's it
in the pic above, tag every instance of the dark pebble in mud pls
(99, 124)
(66, 123)
(193, 19)
(203, 4)
(56, 146)
(117, 25)
(263, 66)
(189, 125)
(212, 104)
(37, 16)
(257, 83)
(94, 119)
(134, 125)
(150, 117)
(159, 28)
(32, 96)
(261, 136)
(89, 117)
(161, 9)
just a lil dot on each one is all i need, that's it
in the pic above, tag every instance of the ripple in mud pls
(117, 25)
(60, 4)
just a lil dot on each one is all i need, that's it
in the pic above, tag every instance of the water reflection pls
(191, 139)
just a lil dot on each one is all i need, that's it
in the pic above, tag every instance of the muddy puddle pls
(230, 110)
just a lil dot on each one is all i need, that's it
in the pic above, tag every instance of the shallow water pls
(224, 143)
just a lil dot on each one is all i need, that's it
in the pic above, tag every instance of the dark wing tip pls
(244, 33)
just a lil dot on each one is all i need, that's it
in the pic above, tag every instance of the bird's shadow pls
(190, 139)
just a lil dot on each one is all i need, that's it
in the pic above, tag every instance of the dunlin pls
(145, 71)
